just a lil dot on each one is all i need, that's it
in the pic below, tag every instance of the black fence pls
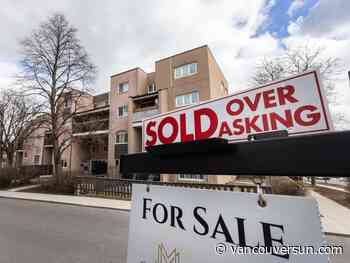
(122, 188)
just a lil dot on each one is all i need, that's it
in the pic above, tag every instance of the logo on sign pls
(164, 257)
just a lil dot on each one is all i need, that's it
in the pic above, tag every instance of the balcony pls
(95, 121)
(143, 113)
(91, 127)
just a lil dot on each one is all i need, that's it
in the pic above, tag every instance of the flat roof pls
(103, 108)
(126, 71)
(183, 52)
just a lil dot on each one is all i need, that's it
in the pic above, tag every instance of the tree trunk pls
(313, 181)
(56, 171)
(1, 151)
(9, 156)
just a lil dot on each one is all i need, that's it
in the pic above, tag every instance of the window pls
(25, 154)
(123, 111)
(191, 177)
(152, 88)
(122, 137)
(67, 102)
(187, 99)
(36, 159)
(64, 163)
(185, 70)
(123, 87)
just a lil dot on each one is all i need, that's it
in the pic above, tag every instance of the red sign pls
(296, 104)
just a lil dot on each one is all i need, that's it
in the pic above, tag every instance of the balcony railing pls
(143, 113)
(90, 126)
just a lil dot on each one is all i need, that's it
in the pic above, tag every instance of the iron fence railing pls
(122, 188)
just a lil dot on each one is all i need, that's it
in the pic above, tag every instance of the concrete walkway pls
(333, 188)
(335, 218)
(18, 189)
(70, 200)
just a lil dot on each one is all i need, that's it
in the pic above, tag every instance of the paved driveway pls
(36, 232)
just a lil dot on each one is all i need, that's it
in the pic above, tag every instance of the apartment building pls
(110, 124)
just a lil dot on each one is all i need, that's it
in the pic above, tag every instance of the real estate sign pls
(296, 104)
(173, 224)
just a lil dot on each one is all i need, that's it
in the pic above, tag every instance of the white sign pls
(296, 104)
(172, 224)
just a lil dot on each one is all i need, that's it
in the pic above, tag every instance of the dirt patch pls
(335, 195)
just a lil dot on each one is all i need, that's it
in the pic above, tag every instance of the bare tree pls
(294, 61)
(19, 117)
(268, 70)
(298, 60)
(58, 69)
(306, 57)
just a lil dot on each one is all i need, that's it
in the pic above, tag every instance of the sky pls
(120, 35)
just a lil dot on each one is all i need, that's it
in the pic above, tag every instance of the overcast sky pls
(120, 35)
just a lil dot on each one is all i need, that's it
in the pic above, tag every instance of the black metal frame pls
(324, 154)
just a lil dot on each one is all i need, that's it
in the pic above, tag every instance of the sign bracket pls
(324, 154)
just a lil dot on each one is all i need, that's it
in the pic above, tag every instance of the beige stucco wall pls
(216, 78)
(136, 78)
(207, 82)
(33, 145)
(83, 103)
(77, 155)
(198, 82)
